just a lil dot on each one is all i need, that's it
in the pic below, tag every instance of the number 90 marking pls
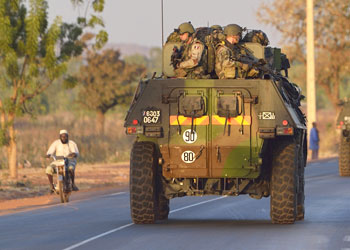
(188, 156)
(189, 137)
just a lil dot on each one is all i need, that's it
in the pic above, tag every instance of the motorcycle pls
(63, 186)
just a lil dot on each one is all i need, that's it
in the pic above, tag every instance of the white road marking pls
(346, 238)
(114, 194)
(130, 224)
(196, 204)
(98, 236)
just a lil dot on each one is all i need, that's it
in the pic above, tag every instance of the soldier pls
(190, 65)
(227, 65)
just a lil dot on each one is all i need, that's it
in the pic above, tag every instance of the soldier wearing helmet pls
(227, 65)
(217, 33)
(190, 65)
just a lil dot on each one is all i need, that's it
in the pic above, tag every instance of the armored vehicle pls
(229, 137)
(343, 123)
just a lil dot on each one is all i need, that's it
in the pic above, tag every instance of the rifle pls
(253, 62)
(176, 56)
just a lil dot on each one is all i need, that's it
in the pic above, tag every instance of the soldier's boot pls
(71, 174)
(52, 186)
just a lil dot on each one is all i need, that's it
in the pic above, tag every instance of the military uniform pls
(191, 61)
(225, 64)
(228, 53)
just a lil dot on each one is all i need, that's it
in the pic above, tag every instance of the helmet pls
(186, 27)
(216, 27)
(233, 30)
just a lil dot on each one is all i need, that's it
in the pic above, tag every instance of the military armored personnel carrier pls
(217, 137)
(343, 123)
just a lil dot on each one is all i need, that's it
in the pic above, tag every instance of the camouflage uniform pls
(225, 64)
(191, 61)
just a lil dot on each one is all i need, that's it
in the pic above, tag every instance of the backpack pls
(256, 36)
(173, 37)
(205, 35)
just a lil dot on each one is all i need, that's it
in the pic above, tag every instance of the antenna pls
(162, 23)
(161, 2)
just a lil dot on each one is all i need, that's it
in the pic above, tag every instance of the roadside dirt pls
(31, 190)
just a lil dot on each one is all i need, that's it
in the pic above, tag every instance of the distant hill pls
(127, 49)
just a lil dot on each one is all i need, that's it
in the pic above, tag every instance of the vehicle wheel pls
(283, 200)
(66, 197)
(301, 181)
(60, 190)
(143, 202)
(163, 208)
(344, 156)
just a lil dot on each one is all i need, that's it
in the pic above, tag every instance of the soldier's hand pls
(245, 66)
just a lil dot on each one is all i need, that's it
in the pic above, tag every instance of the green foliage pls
(93, 20)
(106, 80)
(153, 63)
(32, 56)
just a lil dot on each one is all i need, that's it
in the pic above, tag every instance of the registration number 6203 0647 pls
(151, 116)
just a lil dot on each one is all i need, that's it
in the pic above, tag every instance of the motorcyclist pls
(66, 148)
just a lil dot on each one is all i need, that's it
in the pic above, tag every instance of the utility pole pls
(310, 83)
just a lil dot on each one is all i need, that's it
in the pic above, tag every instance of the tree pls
(153, 62)
(93, 20)
(106, 81)
(332, 38)
(32, 55)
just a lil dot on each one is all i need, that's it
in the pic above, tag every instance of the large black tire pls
(163, 208)
(301, 182)
(143, 172)
(283, 203)
(344, 156)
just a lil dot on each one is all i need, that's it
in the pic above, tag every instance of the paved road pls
(194, 223)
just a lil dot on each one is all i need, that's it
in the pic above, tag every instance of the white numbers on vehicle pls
(151, 116)
(189, 137)
(188, 156)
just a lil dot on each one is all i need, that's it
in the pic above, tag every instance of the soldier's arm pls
(226, 60)
(196, 55)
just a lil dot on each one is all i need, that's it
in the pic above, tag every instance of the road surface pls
(210, 222)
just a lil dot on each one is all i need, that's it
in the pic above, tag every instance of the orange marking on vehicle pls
(182, 120)
(218, 120)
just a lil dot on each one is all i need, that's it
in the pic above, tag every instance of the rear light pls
(135, 122)
(341, 123)
(134, 130)
(284, 131)
(285, 123)
(131, 130)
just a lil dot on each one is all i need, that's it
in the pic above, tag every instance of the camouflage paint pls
(239, 151)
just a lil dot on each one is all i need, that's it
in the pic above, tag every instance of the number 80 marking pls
(188, 156)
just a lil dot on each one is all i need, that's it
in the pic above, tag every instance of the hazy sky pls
(139, 21)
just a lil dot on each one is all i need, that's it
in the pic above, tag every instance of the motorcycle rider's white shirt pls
(57, 148)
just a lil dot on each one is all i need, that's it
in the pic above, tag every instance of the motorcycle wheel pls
(60, 190)
(66, 197)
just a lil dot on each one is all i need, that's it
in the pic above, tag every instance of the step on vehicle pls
(217, 137)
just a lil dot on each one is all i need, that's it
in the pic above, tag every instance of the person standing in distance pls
(66, 148)
(314, 141)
